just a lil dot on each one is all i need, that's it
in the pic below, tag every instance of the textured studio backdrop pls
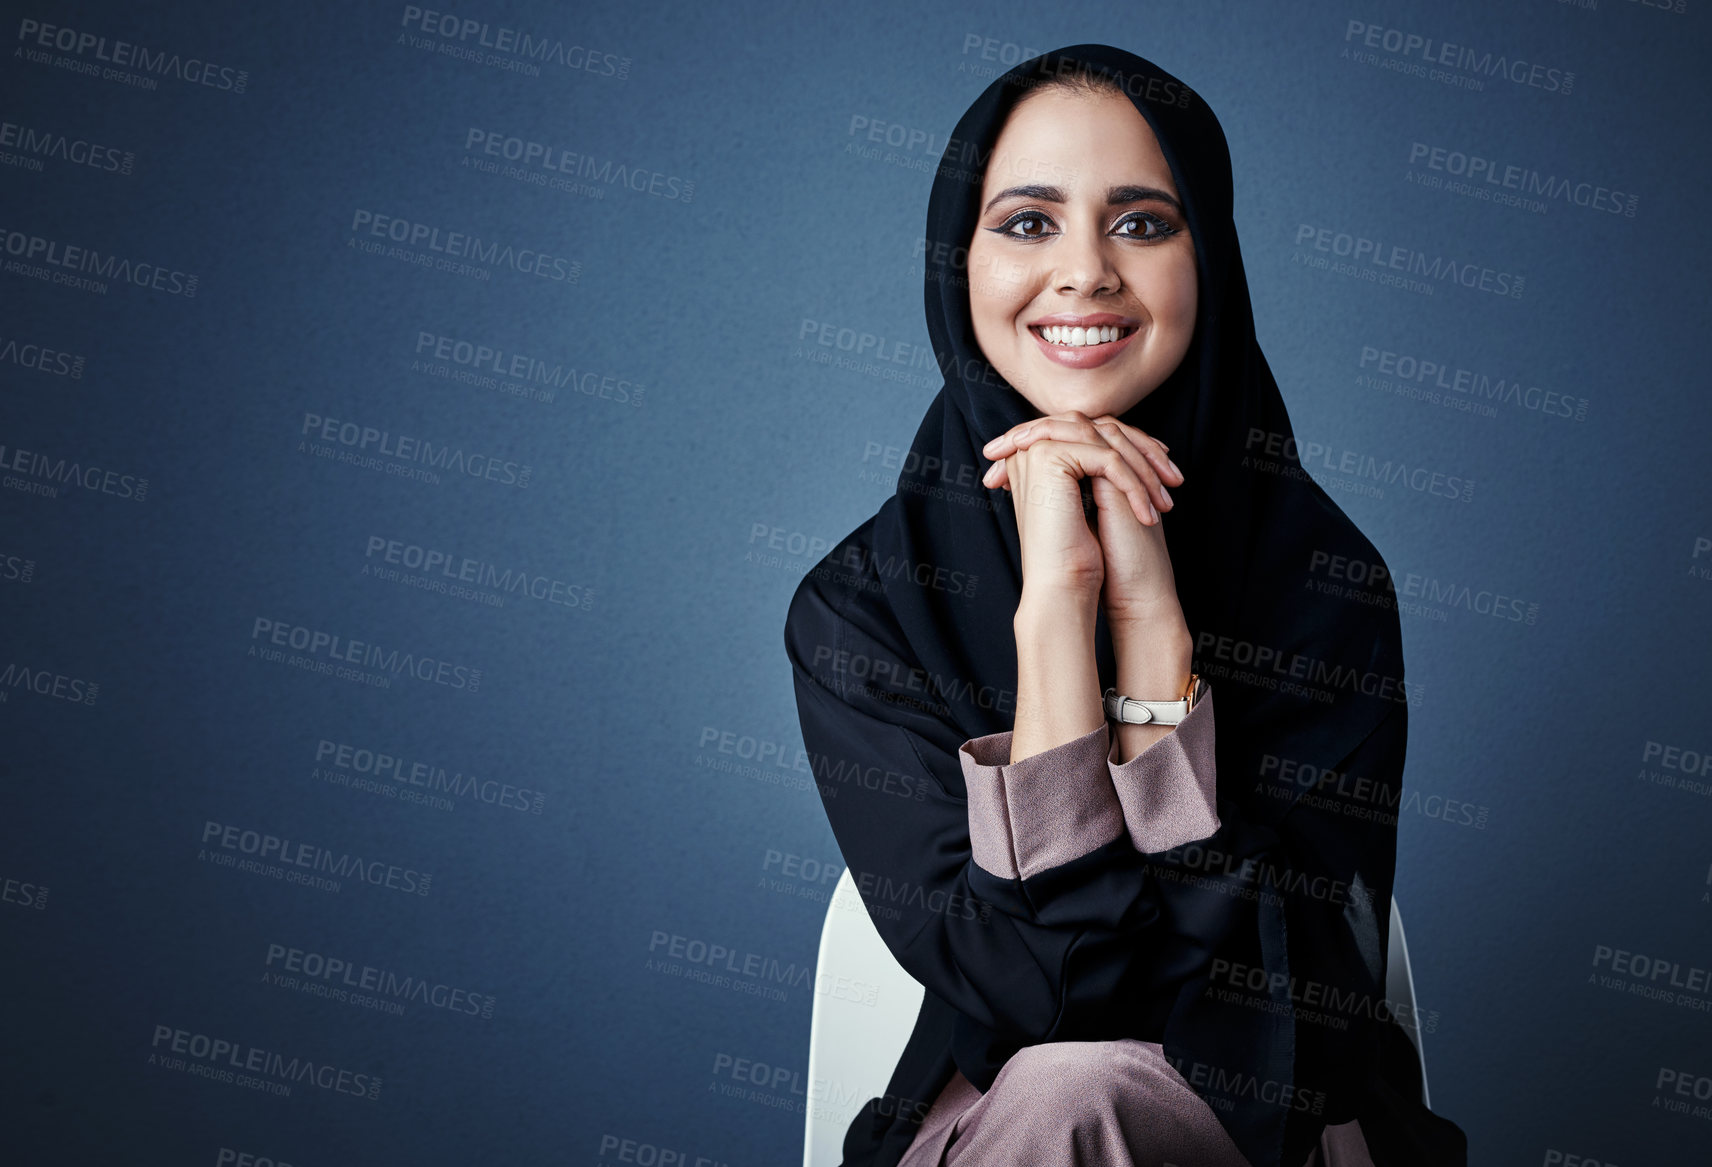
(414, 425)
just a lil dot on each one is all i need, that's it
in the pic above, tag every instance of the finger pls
(1069, 426)
(1033, 428)
(1134, 455)
(1095, 459)
(1105, 462)
(1073, 426)
(1076, 427)
(1156, 451)
(1119, 474)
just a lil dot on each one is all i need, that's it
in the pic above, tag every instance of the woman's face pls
(1081, 226)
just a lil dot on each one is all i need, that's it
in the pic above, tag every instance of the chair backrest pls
(865, 1006)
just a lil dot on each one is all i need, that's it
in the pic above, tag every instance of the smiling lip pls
(1088, 357)
(1089, 321)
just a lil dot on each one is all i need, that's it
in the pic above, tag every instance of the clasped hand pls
(1125, 567)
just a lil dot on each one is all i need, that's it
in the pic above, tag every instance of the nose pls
(1083, 264)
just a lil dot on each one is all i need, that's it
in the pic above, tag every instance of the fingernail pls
(1173, 466)
(1166, 495)
(1153, 512)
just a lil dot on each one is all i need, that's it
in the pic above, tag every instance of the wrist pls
(1153, 660)
(1148, 618)
(1056, 606)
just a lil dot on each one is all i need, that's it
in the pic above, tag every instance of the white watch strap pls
(1137, 712)
(1129, 709)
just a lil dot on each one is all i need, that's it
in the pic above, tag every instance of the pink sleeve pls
(1026, 817)
(1169, 791)
(1029, 816)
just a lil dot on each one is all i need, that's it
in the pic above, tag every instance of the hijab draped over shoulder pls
(1227, 950)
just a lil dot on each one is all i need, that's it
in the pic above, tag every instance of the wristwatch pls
(1136, 712)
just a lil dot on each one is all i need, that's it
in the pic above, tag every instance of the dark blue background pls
(687, 510)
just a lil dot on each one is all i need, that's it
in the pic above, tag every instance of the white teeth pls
(1081, 337)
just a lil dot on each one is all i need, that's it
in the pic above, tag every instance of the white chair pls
(865, 1006)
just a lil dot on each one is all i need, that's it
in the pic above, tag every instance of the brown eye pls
(1024, 217)
(1153, 227)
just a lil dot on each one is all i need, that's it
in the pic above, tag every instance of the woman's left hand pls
(1140, 587)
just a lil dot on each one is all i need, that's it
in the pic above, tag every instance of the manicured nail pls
(1173, 466)
(1166, 495)
(1153, 512)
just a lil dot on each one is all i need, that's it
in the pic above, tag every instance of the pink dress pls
(1105, 1103)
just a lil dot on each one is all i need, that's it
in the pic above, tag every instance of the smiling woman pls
(1099, 266)
(1178, 959)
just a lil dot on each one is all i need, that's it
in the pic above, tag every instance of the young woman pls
(1146, 938)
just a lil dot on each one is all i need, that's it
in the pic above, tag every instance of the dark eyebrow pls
(1116, 196)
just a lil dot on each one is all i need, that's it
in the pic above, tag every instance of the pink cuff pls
(1169, 791)
(1029, 816)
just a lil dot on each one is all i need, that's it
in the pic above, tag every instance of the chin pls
(1060, 395)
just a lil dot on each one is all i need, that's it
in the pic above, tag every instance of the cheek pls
(1172, 297)
(998, 287)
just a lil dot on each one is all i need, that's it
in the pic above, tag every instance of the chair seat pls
(865, 1006)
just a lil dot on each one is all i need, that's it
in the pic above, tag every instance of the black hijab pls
(893, 668)
(1248, 523)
